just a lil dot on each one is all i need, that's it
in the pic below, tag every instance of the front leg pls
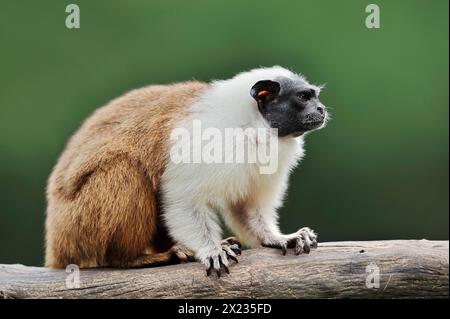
(197, 228)
(265, 227)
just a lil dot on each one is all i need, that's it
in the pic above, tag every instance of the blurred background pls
(379, 170)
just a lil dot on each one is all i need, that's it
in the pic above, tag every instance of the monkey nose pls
(321, 110)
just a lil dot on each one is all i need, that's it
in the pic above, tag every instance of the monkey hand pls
(218, 259)
(302, 241)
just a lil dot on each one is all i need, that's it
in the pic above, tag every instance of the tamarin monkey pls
(116, 199)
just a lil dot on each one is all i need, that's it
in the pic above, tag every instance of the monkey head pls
(289, 104)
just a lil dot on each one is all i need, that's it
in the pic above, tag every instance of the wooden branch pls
(407, 268)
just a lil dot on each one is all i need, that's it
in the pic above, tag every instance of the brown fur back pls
(102, 195)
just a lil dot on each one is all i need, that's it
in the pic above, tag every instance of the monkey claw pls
(231, 248)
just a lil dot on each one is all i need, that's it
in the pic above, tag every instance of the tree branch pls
(407, 268)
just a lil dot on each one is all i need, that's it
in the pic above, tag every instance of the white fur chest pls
(228, 105)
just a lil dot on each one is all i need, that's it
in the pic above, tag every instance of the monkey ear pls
(265, 90)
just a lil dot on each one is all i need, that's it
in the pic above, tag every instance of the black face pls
(291, 106)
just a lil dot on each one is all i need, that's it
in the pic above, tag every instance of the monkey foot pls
(182, 254)
(230, 249)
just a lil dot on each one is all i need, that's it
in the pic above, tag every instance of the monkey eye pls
(306, 95)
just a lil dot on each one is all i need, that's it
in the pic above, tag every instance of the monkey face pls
(290, 105)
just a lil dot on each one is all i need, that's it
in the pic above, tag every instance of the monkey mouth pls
(311, 124)
(311, 121)
(307, 126)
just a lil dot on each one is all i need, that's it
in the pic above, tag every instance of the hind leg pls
(175, 255)
(111, 220)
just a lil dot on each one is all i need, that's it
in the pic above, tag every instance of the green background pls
(379, 170)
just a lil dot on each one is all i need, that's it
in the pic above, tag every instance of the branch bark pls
(407, 268)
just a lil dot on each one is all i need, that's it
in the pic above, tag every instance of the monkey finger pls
(190, 255)
(314, 241)
(229, 251)
(283, 249)
(182, 257)
(233, 258)
(216, 262)
(217, 265)
(236, 249)
(307, 243)
(226, 269)
(209, 266)
(224, 265)
(298, 246)
(223, 258)
(231, 254)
